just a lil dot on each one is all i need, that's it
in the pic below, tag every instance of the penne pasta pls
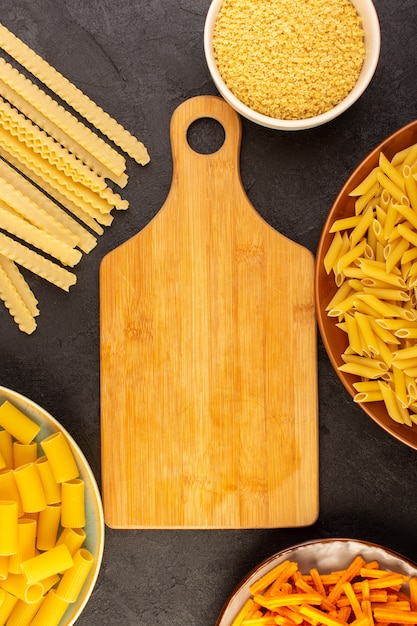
(373, 257)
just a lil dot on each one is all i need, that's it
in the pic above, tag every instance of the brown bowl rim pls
(399, 431)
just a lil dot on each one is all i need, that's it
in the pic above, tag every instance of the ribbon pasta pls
(372, 256)
(52, 152)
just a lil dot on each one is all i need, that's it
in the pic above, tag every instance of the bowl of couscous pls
(291, 64)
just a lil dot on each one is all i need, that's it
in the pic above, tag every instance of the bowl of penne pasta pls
(331, 581)
(366, 284)
(51, 518)
(278, 64)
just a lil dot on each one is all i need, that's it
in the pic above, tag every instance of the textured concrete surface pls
(139, 60)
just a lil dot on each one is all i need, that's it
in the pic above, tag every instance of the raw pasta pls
(58, 155)
(372, 257)
(43, 562)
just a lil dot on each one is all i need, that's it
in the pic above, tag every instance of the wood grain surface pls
(209, 407)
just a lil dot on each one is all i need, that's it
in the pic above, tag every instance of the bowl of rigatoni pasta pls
(366, 284)
(51, 518)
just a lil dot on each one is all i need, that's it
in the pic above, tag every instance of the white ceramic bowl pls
(94, 511)
(326, 555)
(370, 24)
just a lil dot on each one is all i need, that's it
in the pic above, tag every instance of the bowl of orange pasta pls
(333, 582)
(366, 284)
(51, 518)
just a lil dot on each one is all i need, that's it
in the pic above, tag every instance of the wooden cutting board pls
(209, 408)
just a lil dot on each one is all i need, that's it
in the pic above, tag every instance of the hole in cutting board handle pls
(205, 135)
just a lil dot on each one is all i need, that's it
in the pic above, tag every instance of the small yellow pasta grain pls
(289, 59)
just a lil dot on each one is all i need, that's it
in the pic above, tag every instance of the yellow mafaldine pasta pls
(17, 585)
(51, 610)
(48, 525)
(73, 507)
(26, 544)
(8, 527)
(30, 488)
(66, 90)
(51, 488)
(53, 561)
(17, 423)
(74, 578)
(60, 457)
(14, 303)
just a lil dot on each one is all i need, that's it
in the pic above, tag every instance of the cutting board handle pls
(200, 107)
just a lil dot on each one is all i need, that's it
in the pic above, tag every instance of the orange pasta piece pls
(412, 584)
(350, 573)
(319, 616)
(395, 616)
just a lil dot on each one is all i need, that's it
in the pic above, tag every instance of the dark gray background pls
(139, 59)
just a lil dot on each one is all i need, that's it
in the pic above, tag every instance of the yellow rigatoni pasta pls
(7, 606)
(26, 544)
(48, 525)
(60, 457)
(51, 488)
(51, 610)
(73, 538)
(73, 506)
(30, 488)
(8, 527)
(17, 585)
(54, 561)
(6, 448)
(36, 549)
(74, 578)
(17, 423)
(22, 612)
(24, 453)
(9, 490)
(4, 567)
